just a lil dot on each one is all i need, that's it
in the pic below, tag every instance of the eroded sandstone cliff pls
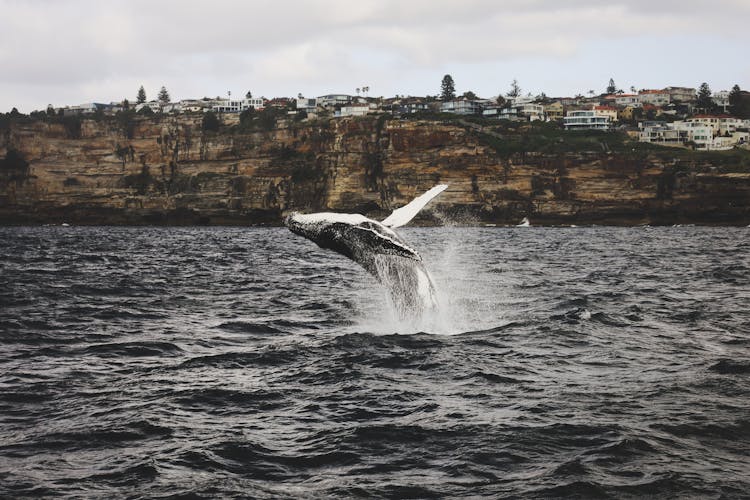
(168, 170)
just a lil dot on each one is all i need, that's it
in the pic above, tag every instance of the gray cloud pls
(105, 48)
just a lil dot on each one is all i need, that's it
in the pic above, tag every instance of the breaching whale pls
(378, 249)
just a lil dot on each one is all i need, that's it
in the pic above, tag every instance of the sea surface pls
(246, 362)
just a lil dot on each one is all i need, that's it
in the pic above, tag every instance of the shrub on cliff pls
(210, 122)
(13, 162)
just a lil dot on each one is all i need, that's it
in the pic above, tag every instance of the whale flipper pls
(402, 216)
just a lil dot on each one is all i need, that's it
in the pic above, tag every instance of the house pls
(193, 105)
(531, 111)
(352, 110)
(681, 94)
(333, 100)
(278, 103)
(701, 132)
(237, 105)
(461, 107)
(662, 133)
(555, 111)
(607, 111)
(308, 105)
(626, 113)
(570, 101)
(655, 97)
(83, 109)
(175, 107)
(623, 100)
(587, 120)
(406, 106)
(713, 121)
(721, 99)
(155, 106)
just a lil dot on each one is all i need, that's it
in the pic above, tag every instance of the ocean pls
(215, 362)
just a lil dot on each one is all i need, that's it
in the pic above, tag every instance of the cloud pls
(79, 44)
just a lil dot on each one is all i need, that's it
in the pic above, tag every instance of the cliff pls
(167, 170)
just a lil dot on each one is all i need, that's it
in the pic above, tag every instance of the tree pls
(125, 105)
(500, 100)
(470, 95)
(735, 101)
(705, 102)
(210, 122)
(163, 96)
(611, 88)
(447, 88)
(249, 95)
(632, 89)
(515, 90)
(141, 96)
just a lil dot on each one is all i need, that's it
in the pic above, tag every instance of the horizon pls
(78, 51)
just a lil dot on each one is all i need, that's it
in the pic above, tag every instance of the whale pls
(378, 249)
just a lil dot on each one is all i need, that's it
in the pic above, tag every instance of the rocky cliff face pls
(167, 170)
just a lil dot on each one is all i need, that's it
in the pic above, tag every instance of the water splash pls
(455, 301)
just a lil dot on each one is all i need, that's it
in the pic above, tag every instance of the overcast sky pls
(65, 52)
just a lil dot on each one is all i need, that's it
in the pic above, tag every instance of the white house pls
(352, 110)
(308, 105)
(332, 100)
(237, 105)
(628, 100)
(154, 105)
(721, 99)
(586, 120)
(701, 133)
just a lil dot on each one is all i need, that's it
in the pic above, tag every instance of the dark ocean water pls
(236, 362)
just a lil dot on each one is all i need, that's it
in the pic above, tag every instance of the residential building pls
(626, 113)
(623, 100)
(555, 111)
(681, 94)
(461, 107)
(587, 119)
(407, 106)
(352, 110)
(663, 133)
(655, 97)
(278, 103)
(607, 111)
(83, 109)
(721, 99)
(193, 105)
(237, 105)
(713, 121)
(308, 105)
(333, 100)
(155, 106)
(700, 133)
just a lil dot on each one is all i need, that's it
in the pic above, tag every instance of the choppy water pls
(229, 362)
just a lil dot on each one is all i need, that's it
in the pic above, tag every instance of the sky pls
(67, 52)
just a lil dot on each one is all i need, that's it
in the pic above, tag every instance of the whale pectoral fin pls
(371, 241)
(402, 216)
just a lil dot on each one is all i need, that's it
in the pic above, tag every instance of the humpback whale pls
(378, 249)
